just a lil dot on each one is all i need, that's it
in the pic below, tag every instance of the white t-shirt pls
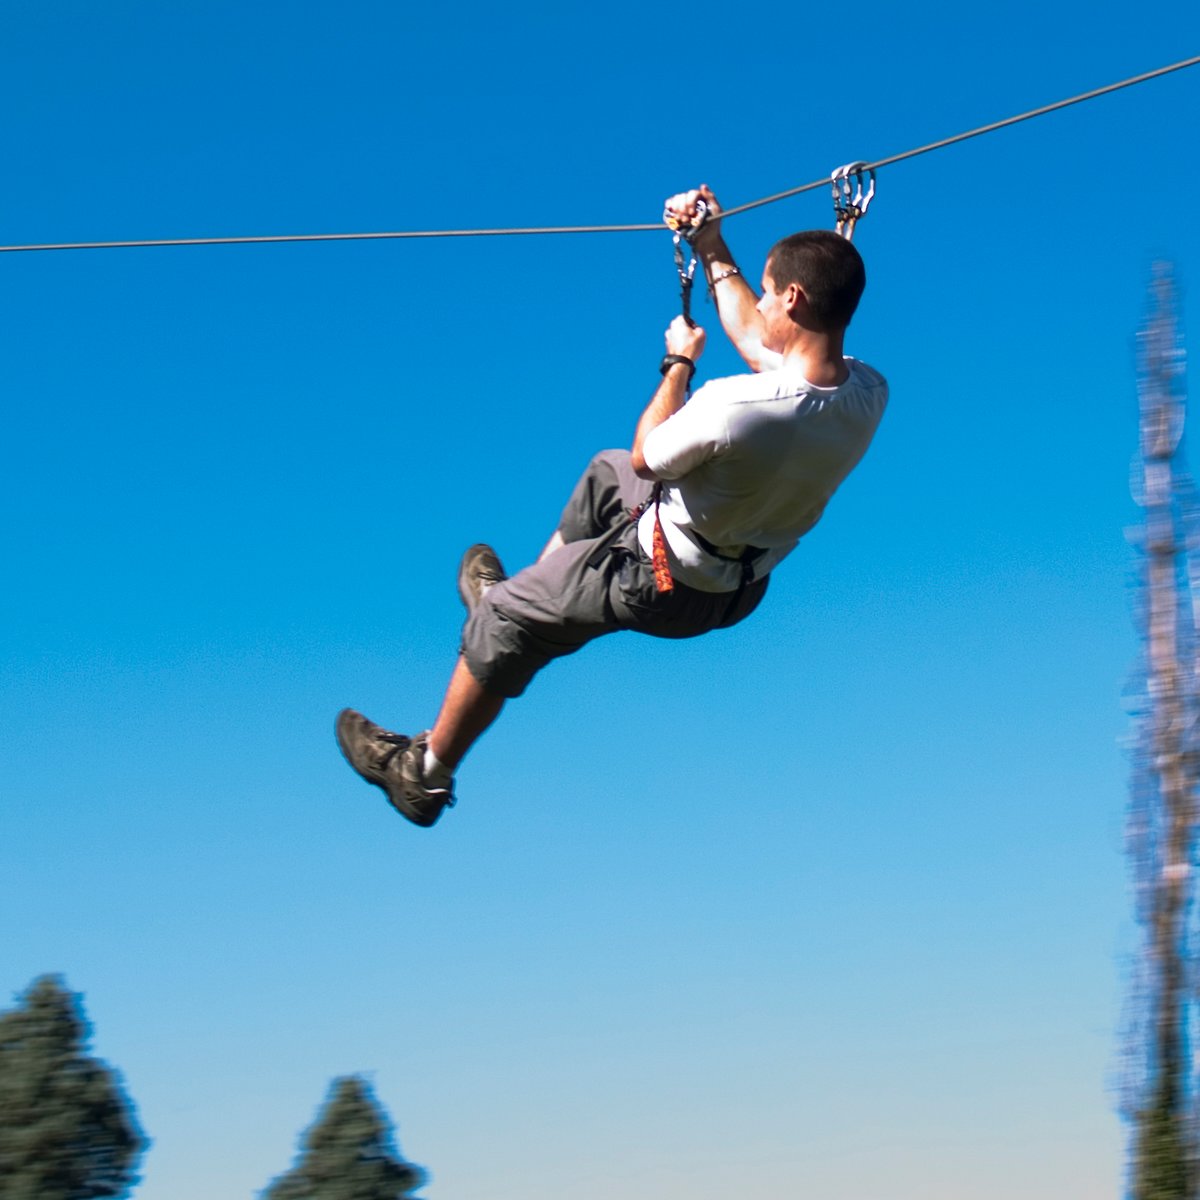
(752, 460)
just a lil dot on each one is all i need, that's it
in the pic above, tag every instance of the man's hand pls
(685, 339)
(684, 207)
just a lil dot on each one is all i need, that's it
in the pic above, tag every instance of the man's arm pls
(687, 341)
(736, 300)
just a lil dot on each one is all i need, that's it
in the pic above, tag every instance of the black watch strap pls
(671, 359)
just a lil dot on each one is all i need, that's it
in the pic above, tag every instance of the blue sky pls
(832, 904)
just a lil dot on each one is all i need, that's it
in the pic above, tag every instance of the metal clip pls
(685, 231)
(850, 204)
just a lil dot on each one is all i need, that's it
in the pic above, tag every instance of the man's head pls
(826, 268)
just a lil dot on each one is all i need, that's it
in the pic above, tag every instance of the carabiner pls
(850, 205)
(685, 231)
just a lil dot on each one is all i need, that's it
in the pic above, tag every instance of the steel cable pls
(643, 228)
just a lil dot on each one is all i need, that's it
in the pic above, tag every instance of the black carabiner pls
(686, 232)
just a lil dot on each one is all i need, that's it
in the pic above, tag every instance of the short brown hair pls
(827, 267)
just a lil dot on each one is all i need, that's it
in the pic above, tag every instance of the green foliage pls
(348, 1153)
(67, 1130)
(1161, 1163)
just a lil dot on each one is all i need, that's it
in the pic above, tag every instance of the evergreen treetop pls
(348, 1153)
(67, 1129)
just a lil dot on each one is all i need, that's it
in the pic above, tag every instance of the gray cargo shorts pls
(598, 582)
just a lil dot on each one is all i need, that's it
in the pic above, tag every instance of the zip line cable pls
(644, 228)
(971, 133)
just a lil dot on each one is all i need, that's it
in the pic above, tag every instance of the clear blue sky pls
(831, 905)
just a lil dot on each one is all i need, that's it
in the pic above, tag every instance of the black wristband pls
(671, 359)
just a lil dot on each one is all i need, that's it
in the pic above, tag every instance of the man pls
(678, 536)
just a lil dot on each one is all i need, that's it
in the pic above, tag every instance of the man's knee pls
(611, 460)
(546, 611)
(496, 652)
(602, 498)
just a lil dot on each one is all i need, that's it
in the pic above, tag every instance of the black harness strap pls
(747, 559)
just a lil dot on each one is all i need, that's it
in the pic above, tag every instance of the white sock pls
(436, 773)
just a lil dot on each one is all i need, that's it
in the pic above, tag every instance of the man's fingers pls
(685, 339)
(685, 204)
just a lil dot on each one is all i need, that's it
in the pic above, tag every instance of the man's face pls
(775, 309)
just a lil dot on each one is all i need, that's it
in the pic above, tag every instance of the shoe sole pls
(343, 727)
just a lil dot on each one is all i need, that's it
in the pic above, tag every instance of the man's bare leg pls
(467, 711)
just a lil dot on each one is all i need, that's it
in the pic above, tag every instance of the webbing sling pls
(663, 580)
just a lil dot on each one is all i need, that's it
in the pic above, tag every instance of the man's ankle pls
(437, 773)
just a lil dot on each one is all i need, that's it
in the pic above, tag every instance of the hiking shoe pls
(479, 570)
(394, 763)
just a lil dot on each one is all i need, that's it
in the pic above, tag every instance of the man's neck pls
(818, 356)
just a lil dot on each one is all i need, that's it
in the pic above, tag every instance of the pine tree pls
(67, 1129)
(348, 1153)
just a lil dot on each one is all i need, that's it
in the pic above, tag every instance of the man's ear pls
(794, 299)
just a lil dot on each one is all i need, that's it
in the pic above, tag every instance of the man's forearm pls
(667, 400)
(736, 300)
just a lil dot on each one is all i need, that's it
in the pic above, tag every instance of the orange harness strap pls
(663, 580)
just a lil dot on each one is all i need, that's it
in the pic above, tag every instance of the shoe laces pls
(488, 574)
(387, 746)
